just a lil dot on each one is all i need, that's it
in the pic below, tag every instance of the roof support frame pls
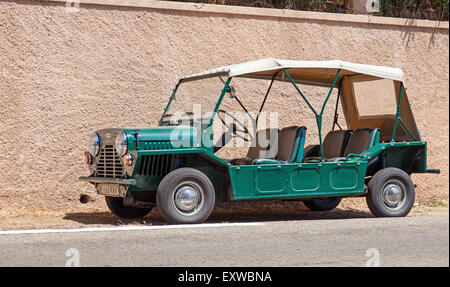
(398, 117)
(265, 97)
(318, 115)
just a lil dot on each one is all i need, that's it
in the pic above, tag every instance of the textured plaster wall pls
(64, 75)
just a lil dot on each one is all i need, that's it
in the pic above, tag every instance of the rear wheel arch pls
(410, 159)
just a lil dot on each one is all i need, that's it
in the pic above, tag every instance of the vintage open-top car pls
(175, 166)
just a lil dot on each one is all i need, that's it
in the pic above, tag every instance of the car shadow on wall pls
(230, 212)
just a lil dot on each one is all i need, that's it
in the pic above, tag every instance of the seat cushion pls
(267, 161)
(264, 145)
(242, 161)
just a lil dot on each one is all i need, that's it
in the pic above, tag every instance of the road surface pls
(410, 241)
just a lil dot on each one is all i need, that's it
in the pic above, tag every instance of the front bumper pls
(107, 180)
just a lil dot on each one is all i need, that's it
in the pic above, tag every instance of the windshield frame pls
(226, 89)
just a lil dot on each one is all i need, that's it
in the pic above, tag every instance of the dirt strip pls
(90, 215)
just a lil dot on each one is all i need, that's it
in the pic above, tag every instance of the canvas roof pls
(314, 71)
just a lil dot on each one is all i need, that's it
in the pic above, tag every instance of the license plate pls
(113, 190)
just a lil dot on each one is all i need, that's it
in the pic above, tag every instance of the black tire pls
(322, 204)
(380, 196)
(170, 190)
(115, 205)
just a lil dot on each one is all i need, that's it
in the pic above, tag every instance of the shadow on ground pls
(246, 212)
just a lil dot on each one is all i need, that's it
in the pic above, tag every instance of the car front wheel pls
(391, 193)
(116, 206)
(185, 195)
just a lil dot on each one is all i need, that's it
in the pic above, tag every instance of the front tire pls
(115, 205)
(322, 204)
(185, 195)
(391, 193)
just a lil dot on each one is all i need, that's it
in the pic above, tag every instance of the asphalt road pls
(410, 241)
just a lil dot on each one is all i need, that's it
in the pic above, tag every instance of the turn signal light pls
(128, 159)
(89, 159)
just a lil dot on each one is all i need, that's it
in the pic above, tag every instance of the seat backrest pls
(264, 142)
(335, 143)
(290, 141)
(361, 140)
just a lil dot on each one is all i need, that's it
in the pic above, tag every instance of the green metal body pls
(161, 149)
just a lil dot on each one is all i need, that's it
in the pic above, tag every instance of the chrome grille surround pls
(109, 164)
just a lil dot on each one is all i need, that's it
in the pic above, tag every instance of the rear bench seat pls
(333, 145)
(337, 145)
(360, 141)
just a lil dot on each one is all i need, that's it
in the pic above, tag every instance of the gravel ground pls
(93, 215)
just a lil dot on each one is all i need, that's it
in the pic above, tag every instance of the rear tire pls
(185, 195)
(391, 193)
(115, 205)
(322, 204)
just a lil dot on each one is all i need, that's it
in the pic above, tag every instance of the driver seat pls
(290, 148)
(264, 140)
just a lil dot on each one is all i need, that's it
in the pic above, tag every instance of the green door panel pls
(344, 177)
(269, 180)
(298, 180)
(305, 179)
(242, 181)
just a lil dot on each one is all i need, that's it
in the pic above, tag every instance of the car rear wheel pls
(391, 193)
(116, 206)
(185, 195)
(323, 204)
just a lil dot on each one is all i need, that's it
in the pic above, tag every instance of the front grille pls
(156, 165)
(109, 164)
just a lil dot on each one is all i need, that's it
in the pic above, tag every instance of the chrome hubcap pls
(188, 198)
(393, 195)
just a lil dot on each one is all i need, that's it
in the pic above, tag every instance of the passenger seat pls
(334, 145)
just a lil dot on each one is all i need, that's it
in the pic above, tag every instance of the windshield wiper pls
(186, 113)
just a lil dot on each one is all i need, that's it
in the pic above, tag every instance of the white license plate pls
(113, 190)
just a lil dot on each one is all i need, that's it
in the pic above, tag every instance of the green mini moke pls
(175, 166)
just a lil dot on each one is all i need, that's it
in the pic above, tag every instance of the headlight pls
(94, 144)
(121, 144)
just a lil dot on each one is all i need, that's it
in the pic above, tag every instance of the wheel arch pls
(215, 169)
(410, 159)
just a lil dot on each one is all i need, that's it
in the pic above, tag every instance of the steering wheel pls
(237, 128)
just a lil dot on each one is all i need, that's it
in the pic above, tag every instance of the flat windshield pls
(193, 99)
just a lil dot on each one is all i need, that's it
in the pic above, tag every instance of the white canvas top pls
(258, 67)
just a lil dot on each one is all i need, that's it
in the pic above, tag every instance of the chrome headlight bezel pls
(94, 144)
(121, 144)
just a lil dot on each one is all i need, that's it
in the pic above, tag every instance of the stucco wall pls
(64, 75)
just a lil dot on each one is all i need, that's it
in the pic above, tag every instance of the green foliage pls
(418, 9)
